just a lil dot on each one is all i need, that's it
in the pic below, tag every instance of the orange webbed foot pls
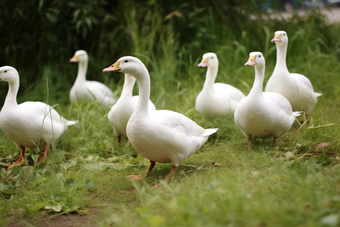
(43, 154)
(17, 163)
(21, 159)
(134, 177)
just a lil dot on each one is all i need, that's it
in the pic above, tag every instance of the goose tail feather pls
(297, 113)
(209, 131)
(68, 123)
(318, 94)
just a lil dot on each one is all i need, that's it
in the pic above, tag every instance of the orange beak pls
(113, 68)
(251, 61)
(277, 38)
(75, 58)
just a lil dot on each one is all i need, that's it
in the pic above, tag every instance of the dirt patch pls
(71, 220)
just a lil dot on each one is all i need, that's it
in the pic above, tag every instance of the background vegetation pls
(293, 184)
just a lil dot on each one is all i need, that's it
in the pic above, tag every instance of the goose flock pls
(162, 135)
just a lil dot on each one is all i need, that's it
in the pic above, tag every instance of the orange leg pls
(275, 142)
(43, 154)
(301, 122)
(118, 140)
(20, 160)
(151, 165)
(138, 177)
(173, 170)
(249, 141)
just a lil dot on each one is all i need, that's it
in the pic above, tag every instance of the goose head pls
(79, 56)
(210, 60)
(280, 37)
(9, 74)
(256, 59)
(128, 65)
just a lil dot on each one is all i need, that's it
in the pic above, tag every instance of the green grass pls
(289, 185)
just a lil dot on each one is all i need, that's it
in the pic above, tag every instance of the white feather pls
(158, 135)
(295, 87)
(216, 99)
(28, 124)
(263, 114)
(85, 90)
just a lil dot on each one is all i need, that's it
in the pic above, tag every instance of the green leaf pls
(324, 159)
(3, 170)
(57, 207)
(103, 166)
(47, 173)
(78, 25)
(75, 16)
(82, 212)
(35, 158)
(52, 16)
(70, 181)
(56, 197)
(48, 206)
(312, 127)
(89, 23)
(70, 208)
(60, 177)
(39, 206)
(17, 169)
(8, 188)
(69, 164)
(41, 2)
(330, 220)
(336, 198)
(89, 184)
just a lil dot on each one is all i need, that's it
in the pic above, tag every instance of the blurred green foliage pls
(35, 33)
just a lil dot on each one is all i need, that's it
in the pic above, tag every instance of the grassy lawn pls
(84, 181)
(266, 186)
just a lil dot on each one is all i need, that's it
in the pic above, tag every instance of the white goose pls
(295, 87)
(216, 99)
(263, 114)
(85, 90)
(30, 124)
(121, 111)
(160, 135)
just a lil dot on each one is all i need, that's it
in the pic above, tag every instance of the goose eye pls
(212, 57)
(284, 34)
(5, 71)
(259, 55)
(126, 61)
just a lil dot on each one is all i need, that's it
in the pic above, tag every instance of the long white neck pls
(256, 90)
(281, 52)
(82, 67)
(11, 98)
(129, 82)
(143, 80)
(210, 79)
